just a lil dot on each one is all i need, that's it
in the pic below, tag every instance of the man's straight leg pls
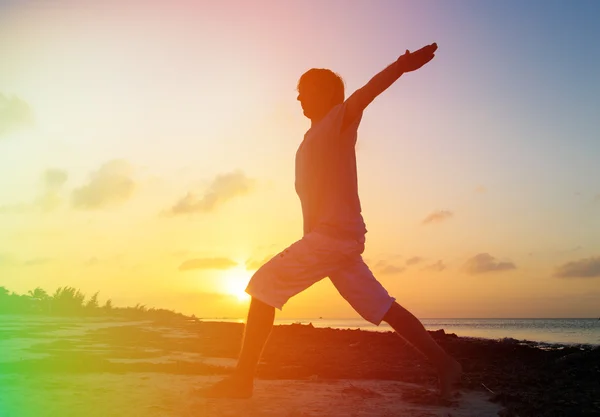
(413, 331)
(357, 284)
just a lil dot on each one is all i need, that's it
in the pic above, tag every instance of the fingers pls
(420, 57)
(428, 49)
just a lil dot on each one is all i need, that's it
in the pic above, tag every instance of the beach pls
(156, 394)
(123, 367)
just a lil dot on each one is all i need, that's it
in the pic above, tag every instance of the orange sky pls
(147, 153)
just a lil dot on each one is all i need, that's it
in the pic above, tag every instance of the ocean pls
(563, 331)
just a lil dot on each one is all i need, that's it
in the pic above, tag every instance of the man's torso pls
(326, 178)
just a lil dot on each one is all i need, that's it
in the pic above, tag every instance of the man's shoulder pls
(332, 122)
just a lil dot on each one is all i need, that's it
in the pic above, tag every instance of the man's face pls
(315, 101)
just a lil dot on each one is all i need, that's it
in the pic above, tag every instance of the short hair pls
(322, 77)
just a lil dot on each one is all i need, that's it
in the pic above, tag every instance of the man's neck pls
(315, 120)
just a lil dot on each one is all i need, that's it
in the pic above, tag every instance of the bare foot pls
(449, 376)
(230, 387)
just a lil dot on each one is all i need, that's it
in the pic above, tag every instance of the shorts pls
(313, 258)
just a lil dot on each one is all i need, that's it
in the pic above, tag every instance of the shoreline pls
(525, 379)
(317, 323)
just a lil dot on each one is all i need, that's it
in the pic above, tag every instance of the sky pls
(147, 151)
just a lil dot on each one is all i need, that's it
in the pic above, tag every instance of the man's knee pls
(392, 311)
(256, 304)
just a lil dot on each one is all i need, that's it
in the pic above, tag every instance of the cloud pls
(118, 260)
(480, 189)
(570, 250)
(36, 261)
(414, 260)
(201, 304)
(391, 269)
(484, 262)
(53, 181)
(207, 263)
(383, 268)
(437, 266)
(223, 188)
(380, 264)
(14, 114)
(253, 264)
(583, 268)
(111, 184)
(437, 216)
(14, 208)
(90, 262)
(7, 259)
(54, 178)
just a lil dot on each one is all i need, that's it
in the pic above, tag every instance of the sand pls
(158, 395)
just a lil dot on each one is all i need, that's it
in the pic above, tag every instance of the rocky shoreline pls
(526, 378)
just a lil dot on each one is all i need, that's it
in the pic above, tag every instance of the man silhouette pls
(334, 230)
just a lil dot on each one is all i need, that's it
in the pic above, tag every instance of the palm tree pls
(108, 305)
(68, 300)
(43, 300)
(11, 302)
(39, 293)
(4, 300)
(92, 303)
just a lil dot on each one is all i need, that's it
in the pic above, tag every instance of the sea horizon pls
(570, 331)
(420, 318)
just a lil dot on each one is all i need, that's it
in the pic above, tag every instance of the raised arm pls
(361, 98)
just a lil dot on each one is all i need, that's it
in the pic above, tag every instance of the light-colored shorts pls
(313, 258)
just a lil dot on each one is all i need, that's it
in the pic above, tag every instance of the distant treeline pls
(69, 301)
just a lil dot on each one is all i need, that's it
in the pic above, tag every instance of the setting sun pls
(235, 281)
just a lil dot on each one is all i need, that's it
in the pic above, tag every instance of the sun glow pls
(235, 281)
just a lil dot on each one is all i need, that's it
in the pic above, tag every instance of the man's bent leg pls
(285, 275)
(411, 329)
(256, 333)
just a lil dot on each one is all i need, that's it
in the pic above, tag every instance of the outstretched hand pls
(412, 61)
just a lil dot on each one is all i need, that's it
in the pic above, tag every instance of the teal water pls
(564, 331)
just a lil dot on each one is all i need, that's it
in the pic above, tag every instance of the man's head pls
(319, 90)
